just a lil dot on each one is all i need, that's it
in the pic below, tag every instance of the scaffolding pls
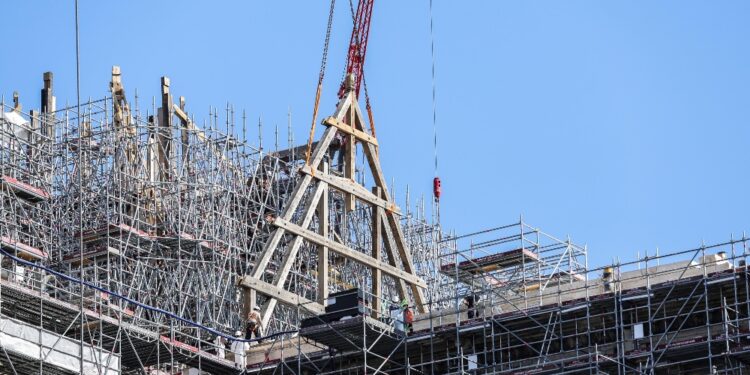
(133, 240)
(131, 228)
(686, 312)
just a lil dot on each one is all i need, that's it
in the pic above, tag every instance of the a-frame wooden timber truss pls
(386, 230)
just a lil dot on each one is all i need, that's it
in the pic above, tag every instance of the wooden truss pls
(386, 230)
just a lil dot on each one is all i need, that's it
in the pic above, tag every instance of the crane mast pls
(355, 58)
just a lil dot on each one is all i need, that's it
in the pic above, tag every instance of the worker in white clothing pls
(240, 348)
(397, 316)
(220, 344)
(20, 274)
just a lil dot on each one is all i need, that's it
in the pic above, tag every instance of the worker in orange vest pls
(408, 317)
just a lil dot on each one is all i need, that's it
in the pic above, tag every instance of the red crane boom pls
(355, 58)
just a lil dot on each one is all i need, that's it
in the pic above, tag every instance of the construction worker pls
(607, 278)
(408, 317)
(397, 316)
(254, 325)
(240, 348)
(220, 344)
(471, 306)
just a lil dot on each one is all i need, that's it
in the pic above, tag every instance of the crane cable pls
(321, 75)
(434, 102)
(436, 183)
(80, 175)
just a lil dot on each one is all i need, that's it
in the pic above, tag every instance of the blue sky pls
(621, 124)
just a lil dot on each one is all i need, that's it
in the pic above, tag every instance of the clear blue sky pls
(622, 124)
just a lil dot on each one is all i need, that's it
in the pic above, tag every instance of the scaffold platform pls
(23, 250)
(355, 334)
(492, 262)
(23, 190)
(138, 347)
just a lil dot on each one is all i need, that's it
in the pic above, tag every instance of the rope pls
(312, 127)
(367, 105)
(321, 75)
(434, 102)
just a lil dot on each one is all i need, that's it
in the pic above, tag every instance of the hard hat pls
(256, 308)
(238, 333)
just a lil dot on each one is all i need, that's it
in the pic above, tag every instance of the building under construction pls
(135, 239)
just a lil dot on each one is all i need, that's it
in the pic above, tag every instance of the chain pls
(327, 42)
(321, 75)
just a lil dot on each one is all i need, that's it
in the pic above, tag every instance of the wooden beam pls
(322, 249)
(291, 207)
(164, 145)
(358, 134)
(343, 105)
(392, 221)
(293, 202)
(187, 166)
(371, 154)
(350, 163)
(398, 235)
(373, 161)
(291, 256)
(180, 112)
(353, 188)
(322, 147)
(386, 231)
(349, 253)
(200, 134)
(405, 255)
(376, 254)
(289, 210)
(187, 122)
(283, 296)
(390, 248)
(266, 253)
(360, 125)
